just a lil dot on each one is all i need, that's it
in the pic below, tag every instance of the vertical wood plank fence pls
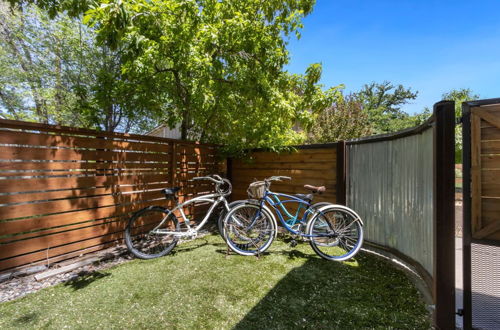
(67, 191)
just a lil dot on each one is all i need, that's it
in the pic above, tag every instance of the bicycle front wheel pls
(336, 233)
(150, 232)
(249, 229)
(223, 213)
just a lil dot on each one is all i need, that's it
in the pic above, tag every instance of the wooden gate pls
(485, 170)
(481, 211)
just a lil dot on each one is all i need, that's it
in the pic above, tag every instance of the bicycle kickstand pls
(258, 252)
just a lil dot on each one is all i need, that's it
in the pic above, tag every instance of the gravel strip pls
(18, 287)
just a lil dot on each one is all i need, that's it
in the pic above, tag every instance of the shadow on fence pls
(67, 191)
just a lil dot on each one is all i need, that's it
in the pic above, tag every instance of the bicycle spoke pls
(248, 231)
(143, 234)
(344, 234)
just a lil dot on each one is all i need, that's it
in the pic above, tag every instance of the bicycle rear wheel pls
(149, 233)
(249, 229)
(336, 233)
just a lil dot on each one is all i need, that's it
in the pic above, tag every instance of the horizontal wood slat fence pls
(312, 164)
(66, 191)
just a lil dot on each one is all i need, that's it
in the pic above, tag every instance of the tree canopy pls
(382, 102)
(217, 67)
(54, 72)
(459, 96)
(73, 8)
(344, 120)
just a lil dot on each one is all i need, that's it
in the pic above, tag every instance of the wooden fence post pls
(444, 215)
(173, 164)
(229, 172)
(466, 218)
(341, 173)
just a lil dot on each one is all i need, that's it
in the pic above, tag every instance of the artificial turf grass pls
(198, 287)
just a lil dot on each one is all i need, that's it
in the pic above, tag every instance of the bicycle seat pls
(170, 191)
(315, 189)
(306, 197)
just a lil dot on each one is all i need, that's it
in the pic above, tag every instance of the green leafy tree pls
(73, 8)
(344, 120)
(34, 82)
(459, 96)
(217, 67)
(373, 110)
(382, 102)
(53, 72)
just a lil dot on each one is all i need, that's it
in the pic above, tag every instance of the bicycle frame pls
(273, 200)
(214, 199)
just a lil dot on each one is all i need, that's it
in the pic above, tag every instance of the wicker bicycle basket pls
(256, 189)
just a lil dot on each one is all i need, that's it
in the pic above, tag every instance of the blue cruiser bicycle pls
(335, 232)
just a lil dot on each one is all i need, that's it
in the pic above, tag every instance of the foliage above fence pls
(67, 191)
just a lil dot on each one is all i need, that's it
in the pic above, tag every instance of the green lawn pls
(198, 287)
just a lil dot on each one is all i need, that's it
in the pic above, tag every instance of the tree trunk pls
(26, 63)
(184, 126)
(58, 87)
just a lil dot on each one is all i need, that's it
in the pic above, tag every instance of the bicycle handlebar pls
(218, 183)
(208, 178)
(278, 178)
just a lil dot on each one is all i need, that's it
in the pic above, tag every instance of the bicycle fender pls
(345, 208)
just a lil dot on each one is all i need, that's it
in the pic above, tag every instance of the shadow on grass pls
(331, 295)
(290, 253)
(198, 243)
(84, 279)
(26, 319)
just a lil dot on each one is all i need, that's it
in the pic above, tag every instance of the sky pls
(430, 46)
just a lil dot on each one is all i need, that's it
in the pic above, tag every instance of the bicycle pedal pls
(293, 243)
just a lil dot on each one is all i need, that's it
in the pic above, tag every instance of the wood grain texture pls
(30, 153)
(485, 172)
(476, 171)
(491, 117)
(68, 141)
(304, 166)
(64, 190)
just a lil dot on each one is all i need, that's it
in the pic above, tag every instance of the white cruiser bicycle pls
(154, 231)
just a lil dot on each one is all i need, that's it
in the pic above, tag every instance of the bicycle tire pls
(336, 233)
(223, 213)
(139, 237)
(249, 241)
(315, 207)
